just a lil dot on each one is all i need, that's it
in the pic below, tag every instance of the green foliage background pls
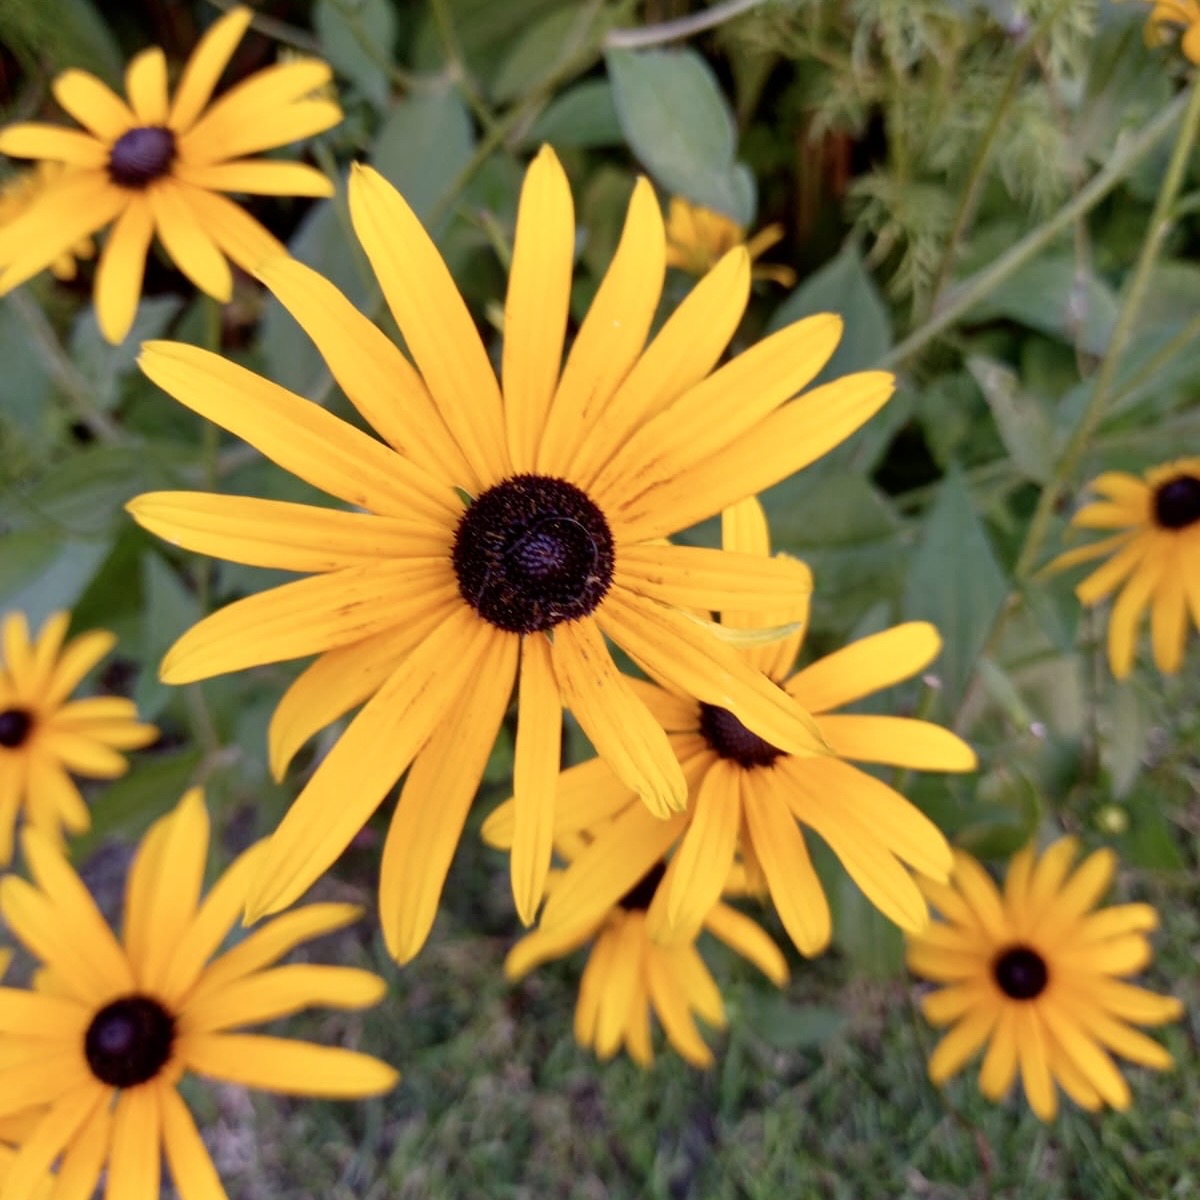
(908, 146)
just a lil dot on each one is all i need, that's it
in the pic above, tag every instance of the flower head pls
(112, 1026)
(1154, 559)
(749, 797)
(1175, 15)
(1036, 972)
(508, 530)
(23, 192)
(153, 165)
(44, 734)
(629, 975)
(697, 237)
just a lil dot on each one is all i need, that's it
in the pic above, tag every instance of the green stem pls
(1148, 370)
(70, 380)
(457, 65)
(969, 293)
(1160, 225)
(674, 31)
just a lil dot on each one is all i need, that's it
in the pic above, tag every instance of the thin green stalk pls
(674, 31)
(70, 380)
(457, 64)
(1160, 224)
(1148, 370)
(980, 285)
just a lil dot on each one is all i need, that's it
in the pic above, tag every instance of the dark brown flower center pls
(731, 739)
(16, 724)
(638, 898)
(140, 156)
(1177, 502)
(533, 552)
(129, 1041)
(1020, 973)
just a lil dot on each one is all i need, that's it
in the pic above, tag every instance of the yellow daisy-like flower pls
(1155, 559)
(749, 796)
(113, 1025)
(159, 165)
(1176, 15)
(508, 530)
(1036, 972)
(44, 734)
(22, 192)
(697, 237)
(629, 976)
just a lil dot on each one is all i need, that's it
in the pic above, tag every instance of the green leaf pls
(169, 610)
(540, 51)
(1007, 811)
(107, 367)
(38, 575)
(1123, 749)
(680, 126)
(788, 1026)
(357, 37)
(1024, 425)
(583, 117)
(1055, 296)
(956, 583)
(843, 286)
(28, 388)
(424, 144)
(1152, 841)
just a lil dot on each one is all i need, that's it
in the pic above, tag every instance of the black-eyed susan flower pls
(747, 796)
(697, 237)
(1175, 16)
(45, 735)
(22, 192)
(509, 528)
(149, 164)
(1036, 973)
(112, 1026)
(629, 976)
(1154, 559)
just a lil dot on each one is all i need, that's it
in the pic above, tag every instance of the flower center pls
(1020, 973)
(532, 552)
(129, 1041)
(15, 726)
(139, 156)
(1177, 502)
(731, 739)
(638, 898)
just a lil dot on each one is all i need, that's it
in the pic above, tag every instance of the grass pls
(497, 1102)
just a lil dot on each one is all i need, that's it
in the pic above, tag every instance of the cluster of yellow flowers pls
(502, 533)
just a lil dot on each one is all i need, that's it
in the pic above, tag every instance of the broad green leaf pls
(423, 145)
(681, 128)
(26, 409)
(843, 286)
(1127, 733)
(541, 50)
(357, 37)
(1024, 425)
(788, 1026)
(1152, 840)
(108, 367)
(583, 116)
(1005, 816)
(38, 575)
(169, 610)
(956, 583)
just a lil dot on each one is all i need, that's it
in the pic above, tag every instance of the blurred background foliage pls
(906, 146)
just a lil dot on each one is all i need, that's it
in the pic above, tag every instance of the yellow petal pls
(135, 1157)
(612, 334)
(1128, 609)
(671, 1004)
(187, 1158)
(535, 311)
(190, 246)
(257, 177)
(960, 1044)
(1168, 619)
(535, 775)
(435, 322)
(93, 104)
(897, 741)
(428, 822)
(235, 231)
(205, 66)
(119, 275)
(32, 139)
(614, 719)
(745, 937)
(146, 86)
(281, 1065)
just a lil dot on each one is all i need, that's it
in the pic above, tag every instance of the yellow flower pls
(113, 1026)
(1036, 973)
(44, 734)
(22, 192)
(697, 237)
(157, 166)
(629, 975)
(508, 531)
(1181, 14)
(747, 795)
(1155, 559)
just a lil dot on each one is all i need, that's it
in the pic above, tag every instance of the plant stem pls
(457, 66)
(673, 31)
(969, 293)
(64, 372)
(1160, 224)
